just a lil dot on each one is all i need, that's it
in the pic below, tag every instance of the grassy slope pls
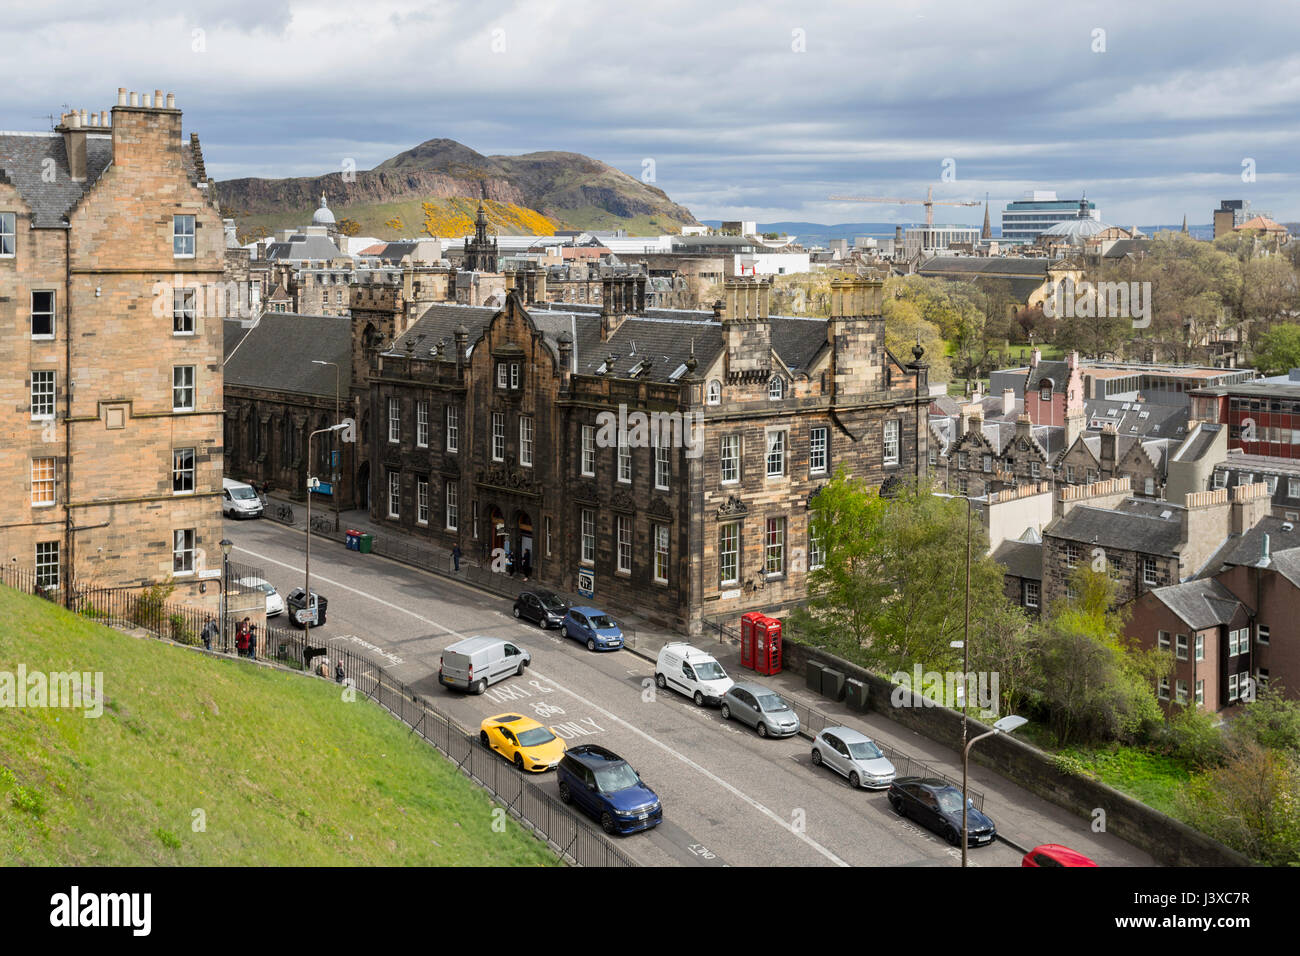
(285, 771)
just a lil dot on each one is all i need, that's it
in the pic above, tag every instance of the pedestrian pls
(241, 637)
(209, 629)
(338, 672)
(252, 640)
(527, 564)
(455, 557)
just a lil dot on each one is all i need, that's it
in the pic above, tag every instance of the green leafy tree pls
(1251, 804)
(1278, 350)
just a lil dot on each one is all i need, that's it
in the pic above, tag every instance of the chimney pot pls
(121, 96)
(146, 101)
(135, 98)
(103, 118)
(171, 101)
(158, 98)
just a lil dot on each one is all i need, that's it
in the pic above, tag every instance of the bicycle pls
(284, 513)
(322, 524)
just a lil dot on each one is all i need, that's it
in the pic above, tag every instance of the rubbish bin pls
(367, 543)
(855, 694)
(813, 676)
(353, 539)
(832, 683)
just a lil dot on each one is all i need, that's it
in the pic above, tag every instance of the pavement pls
(730, 797)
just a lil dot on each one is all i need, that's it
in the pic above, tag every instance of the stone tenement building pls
(497, 429)
(110, 378)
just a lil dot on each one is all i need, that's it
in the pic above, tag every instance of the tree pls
(904, 326)
(1278, 350)
(349, 227)
(1270, 721)
(1251, 804)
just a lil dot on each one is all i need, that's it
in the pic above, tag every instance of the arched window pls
(776, 388)
(715, 392)
(1045, 390)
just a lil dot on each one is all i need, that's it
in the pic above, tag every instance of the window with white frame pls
(1180, 647)
(988, 463)
(817, 446)
(394, 494)
(1069, 473)
(453, 507)
(47, 564)
(588, 536)
(963, 459)
(816, 556)
(422, 424)
(659, 533)
(421, 499)
(963, 486)
(42, 395)
(1071, 593)
(1261, 633)
(1271, 482)
(1163, 688)
(776, 388)
(624, 460)
(1150, 486)
(1181, 687)
(1200, 647)
(498, 436)
(776, 454)
(1261, 677)
(42, 482)
(8, 235)
(729, 553)
(183, 388)
(588, 463)
(1030, 590)
(503, 375)
(184, 311)
(42, 314)
(1150, 575)
(663, 466)
(1035, 469)
(1092, 475)
(1200, 693)
(394, 421)
(1162, 639)
(715, 392)
(182, 471)
(1071, 555)
(729, 459)
(933, 457)
(1220, 479)
(1238, 641)
(183, 237)
(624, 532)
(526, 441)
(774, 549)
(1292, 487)
(514, 374)
(183, 551)
(1234, 687)
(891, 443)
(453, 428)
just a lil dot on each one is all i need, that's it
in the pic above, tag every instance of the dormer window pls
(776, 388)
(508, 375)
(1045, 391)
(715, 392)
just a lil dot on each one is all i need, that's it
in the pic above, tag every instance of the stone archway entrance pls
(496, 531)
(525, 550)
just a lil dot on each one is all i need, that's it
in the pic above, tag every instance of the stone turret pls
(856, 334)
(747, 329)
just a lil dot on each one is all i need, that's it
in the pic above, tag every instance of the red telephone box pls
(749, 624)
(760, 643)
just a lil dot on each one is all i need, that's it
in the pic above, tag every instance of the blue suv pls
(592, 627)
(604, 785)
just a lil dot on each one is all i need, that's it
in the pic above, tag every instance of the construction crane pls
(929, 202)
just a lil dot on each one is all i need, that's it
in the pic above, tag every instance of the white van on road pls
(475, 662)
(693, 672)
(239, 500)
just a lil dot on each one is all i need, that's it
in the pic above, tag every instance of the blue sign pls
(334, 458)
(324, 488)
(586, 582)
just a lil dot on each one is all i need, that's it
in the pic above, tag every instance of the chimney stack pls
(1008, 401)
(74, 130)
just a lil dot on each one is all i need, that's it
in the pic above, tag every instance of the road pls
(729, 797)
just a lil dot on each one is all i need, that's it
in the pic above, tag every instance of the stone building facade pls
(111, 379)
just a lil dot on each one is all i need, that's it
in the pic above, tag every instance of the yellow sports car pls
(523, 740)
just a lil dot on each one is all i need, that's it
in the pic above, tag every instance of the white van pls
(475, 662)
(693, 672)
(239, 500)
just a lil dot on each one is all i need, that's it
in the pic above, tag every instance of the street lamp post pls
(226, 545)
(334, 471)
(1004, 726)
(307, 562)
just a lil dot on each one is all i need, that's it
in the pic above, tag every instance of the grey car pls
(760, 708)
(854, 755)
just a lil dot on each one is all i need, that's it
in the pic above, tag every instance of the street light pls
(1003, 726)
(310, 480)
(226, 545)
(334, 471)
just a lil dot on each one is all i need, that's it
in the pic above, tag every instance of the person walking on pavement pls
(252, 640)
(527, 563)
(455, 557)
(241, 637)
(209, 629)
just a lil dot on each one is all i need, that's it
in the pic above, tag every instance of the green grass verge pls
(1151, 778)
(278, 767)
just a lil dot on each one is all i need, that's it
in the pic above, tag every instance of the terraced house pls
(654, 458)
(110, 370)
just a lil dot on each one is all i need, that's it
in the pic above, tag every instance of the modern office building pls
(1024, 220)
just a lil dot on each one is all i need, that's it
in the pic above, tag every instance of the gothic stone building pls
(111, 421)
(492, 430)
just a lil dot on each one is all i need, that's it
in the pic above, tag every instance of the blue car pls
(592, 627)
(604, 785)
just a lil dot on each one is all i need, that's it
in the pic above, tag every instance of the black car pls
(295, 602)
(544, 608)
(936, 805)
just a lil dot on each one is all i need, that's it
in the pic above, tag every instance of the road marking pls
(780, 821)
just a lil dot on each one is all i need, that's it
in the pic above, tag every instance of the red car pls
(1053, 854)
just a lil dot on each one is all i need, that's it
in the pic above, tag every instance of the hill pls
(431, 184)
(277, 767)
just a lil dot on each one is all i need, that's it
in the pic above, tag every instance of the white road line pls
(636, 730)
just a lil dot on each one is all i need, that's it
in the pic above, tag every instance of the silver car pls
(760, 708)
(274, 603)
(854, 755)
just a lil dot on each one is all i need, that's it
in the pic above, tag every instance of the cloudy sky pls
(755, 110)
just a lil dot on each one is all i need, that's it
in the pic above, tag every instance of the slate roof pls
(22, 160)
(276, 353)
(1200, 603)
(437, 326)
(300, 247)
(1198, 443)
(1138, 419)
(987, 266)
(1249, 547)
(1021, 558)
(234, 334)
(1125, 247)
(1058, 372)
(1133, 526)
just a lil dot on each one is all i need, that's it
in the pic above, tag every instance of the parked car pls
(592, 627)
(475, 662)
(936, 805)
(764, 710)
(1053, 854)
(691, 671)
(853, 754)
(274, 603)
(296, 601)
(523, 741)
(239, 500)
(603, 784)
(544, 608)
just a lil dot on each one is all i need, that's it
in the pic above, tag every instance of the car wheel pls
(854, 780)
(660, 682)
(480, 686)
(726, 712)
(699, 699)
(817, 758)
(897, 804)
(952, 836)
(516, 612)
(519, 672)
(591, 644)
(762, 729)
(607, 823)
(564, 630)
(483, 739)
(565, 796)
(519, 761)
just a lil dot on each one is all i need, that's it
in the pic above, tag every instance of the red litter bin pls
(749, 625)
(767, 646)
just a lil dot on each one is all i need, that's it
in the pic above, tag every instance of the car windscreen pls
(865, 750)
(709, 670)
(949, 801)
(616, 778)
(771, 702)
(601, 621)
(266, 587)
(551, 602)
(535, 737)
(242, 494)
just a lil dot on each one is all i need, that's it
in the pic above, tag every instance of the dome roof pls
(323, 216)
(1079, 228)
